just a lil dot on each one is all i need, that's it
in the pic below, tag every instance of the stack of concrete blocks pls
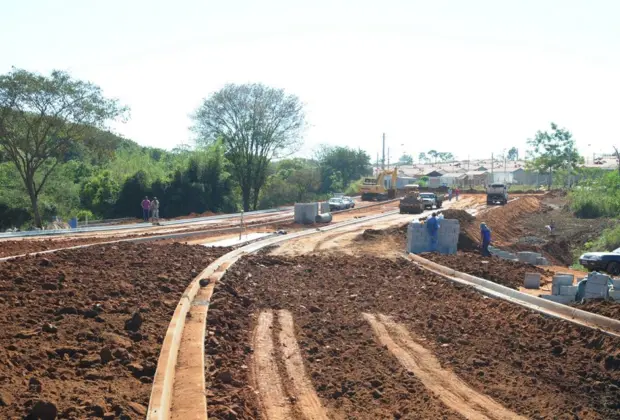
(562, 289)
(614, 293)
(597, 286)
(418, 240)
(305, 213)
(502, 254)
(532, 281)
(533, 258)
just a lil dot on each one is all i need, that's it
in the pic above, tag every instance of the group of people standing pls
(150, 208)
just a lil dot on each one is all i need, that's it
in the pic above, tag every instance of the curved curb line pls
(557, 310)
(160, 402)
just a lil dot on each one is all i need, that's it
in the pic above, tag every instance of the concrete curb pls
(568, 313)
(163, 382)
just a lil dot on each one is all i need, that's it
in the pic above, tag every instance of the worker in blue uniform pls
(485, 234)
(432, 227)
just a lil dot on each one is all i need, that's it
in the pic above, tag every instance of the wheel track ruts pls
(450, 389)
(182, 394)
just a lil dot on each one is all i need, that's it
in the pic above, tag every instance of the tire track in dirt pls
(422, 363)
(273, 401)
(276, 395)
(307, 400)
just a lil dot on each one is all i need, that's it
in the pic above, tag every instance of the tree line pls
(58, 157)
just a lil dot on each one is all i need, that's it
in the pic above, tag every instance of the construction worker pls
(432, 227)
(485, 234)
(457, 192)
(155, 210)
(449, 194)
(146, 206)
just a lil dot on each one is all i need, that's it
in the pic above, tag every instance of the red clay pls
(80, 331)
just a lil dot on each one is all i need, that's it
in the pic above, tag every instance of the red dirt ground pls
(536, 366)
(80, 331)
(507, 273)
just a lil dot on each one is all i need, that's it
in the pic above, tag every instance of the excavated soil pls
(507, 273)
(81, 330)
(601, 307)
(536, 366)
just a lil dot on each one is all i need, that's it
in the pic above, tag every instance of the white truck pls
(497, 194)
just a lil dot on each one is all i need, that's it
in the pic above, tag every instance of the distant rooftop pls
(497, 166)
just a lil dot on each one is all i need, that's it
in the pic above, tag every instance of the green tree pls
(553, 151)
(41, 117)
(513, 154)
(349, 164)
(256, 124)
(422, 157)
(433, 155)
(405, 159)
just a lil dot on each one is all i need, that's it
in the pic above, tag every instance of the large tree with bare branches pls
(40, 118)
(257, 124)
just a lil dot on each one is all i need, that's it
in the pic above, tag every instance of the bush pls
(598, 197)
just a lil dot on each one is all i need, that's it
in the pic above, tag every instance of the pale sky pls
(469, 77)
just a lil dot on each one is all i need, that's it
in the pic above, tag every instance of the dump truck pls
(411, 202)
(374, 188)
(497, 194)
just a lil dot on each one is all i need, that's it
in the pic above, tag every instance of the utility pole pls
(492, 163)
(383, 160)
(388, 158)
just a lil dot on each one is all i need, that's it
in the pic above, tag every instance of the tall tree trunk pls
(245, 196)
(34, 200)
(255, 198)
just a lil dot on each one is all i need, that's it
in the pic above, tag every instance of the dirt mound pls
(507, 273)
(462, 216)
(536, 366)
(504, 220)
(377, 234)
(601, 307)
(81, 330)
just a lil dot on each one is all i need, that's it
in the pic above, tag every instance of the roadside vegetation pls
(59, 158)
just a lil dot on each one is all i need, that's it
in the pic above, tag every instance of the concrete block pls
(542, 261)
(305, 213)
(532, 281)
(568, 290)
(614, 294)
(559, 298)
(598, 278)
(324, 207)
(563, 280)
(528, 257)
(555, 289)
(616, 283)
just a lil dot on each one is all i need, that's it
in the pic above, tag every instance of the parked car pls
(431, 199)
(602, 261)
(336, 204)
(349, 202)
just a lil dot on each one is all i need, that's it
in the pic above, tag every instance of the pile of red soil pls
(81, 330)
(602, 307)
(507, 273)
(537, 366)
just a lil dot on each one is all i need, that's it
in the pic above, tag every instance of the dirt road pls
(383, 339)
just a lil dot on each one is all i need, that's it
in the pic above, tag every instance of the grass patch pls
(608, 241)
(597, 197)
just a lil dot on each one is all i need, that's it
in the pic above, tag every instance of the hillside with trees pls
(58, 158)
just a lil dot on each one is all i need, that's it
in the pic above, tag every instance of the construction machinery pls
(497, 193)
(411, 203)
(374, 188)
